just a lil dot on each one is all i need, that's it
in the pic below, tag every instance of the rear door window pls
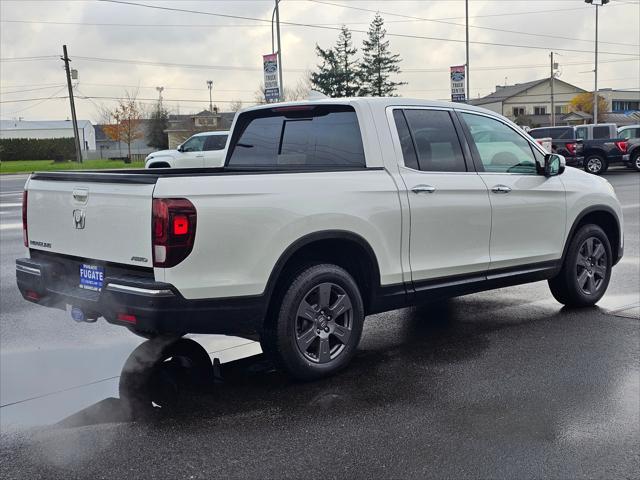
(215, 142)
(322, 136)
(540, 133)
(434, 139)
(600, 133)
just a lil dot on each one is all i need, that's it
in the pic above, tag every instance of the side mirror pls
(180, 149)
(554, 164)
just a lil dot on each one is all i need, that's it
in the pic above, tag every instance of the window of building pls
(518, 111)
(499, 147)
(540, 110)
(625, 105)
(561, 109)
(434, 140)
(321, 136)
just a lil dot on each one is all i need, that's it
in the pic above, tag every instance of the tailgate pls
(106, 221)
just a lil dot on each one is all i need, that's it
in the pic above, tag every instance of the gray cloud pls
(220, 44)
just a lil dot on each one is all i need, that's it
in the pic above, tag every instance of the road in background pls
(498, 384)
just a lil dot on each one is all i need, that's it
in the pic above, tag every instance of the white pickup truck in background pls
(324, 212)
(205, 149)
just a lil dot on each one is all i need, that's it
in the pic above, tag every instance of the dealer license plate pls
(91, 277)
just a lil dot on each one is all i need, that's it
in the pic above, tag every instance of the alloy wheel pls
(594, 165)
(591, 268)
(324, 322)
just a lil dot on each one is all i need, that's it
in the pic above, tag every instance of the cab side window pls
(194, 144)
(429, 140)
(499, 148)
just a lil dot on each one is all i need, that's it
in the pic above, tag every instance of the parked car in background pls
(563, 142)
(206, 149)
(595, 155)
(632, 158)
(629, 131)
(600, 131)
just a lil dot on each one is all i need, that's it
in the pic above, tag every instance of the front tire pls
(595, 164)
(586, 270)
(317, 327)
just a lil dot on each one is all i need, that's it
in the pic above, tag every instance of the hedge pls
(37, 148)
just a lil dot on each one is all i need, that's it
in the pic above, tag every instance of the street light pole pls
(466, 11)
(597, 3)
(595, 87)
(279, 50)
(160, 89)
(210, 87)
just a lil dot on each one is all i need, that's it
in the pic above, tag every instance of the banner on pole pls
(458, 79)
(271, 85)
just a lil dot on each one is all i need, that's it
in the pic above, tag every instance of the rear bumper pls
(140, 303)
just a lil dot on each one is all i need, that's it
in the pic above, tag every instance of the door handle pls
(501, 189)
(423, 189)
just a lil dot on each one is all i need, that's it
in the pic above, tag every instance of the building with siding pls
(50, 129)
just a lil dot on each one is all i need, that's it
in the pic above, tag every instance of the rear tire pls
(314, 331)
(595, 164)
(586, 271)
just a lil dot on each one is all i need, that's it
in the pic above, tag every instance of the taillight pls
(571, 147)
(622, 145)
(25, 236)
(173, 230)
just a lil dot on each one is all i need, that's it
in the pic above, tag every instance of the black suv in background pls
(594, 155)
(563, 142)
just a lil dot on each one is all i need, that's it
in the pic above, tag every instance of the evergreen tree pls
(326, 79)
(159, 121)
(378, 63)
(337, 75)
(348, 66)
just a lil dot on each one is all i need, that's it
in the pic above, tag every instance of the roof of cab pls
(374, 102)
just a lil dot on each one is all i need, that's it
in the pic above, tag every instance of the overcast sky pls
(229, 50)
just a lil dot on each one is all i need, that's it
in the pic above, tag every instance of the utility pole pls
(466, 12)
(279, 50)
(210, 87)
(553, 105)
(76, 136)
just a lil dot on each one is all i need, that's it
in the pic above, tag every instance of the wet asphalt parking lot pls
(501, 384)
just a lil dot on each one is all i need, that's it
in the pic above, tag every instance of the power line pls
(42, 100)
(399, 35)
(31, 89)
(445, 22)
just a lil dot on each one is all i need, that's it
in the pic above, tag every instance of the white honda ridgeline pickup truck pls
(324, 212)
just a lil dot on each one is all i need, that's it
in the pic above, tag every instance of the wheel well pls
(355, 256)
(159, 165)
(597, 152)
(607, 221)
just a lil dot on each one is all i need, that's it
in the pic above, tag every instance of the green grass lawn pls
(28, 166)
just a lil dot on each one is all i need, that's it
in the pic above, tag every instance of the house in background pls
(530, 101)
(50, 129)
(107, 148)
(530, 104)
(182, 127)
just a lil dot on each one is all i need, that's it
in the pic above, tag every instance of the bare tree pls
(299, 92)
(235, 105)
(128, 121)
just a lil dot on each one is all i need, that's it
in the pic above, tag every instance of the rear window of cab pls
(316, 136)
